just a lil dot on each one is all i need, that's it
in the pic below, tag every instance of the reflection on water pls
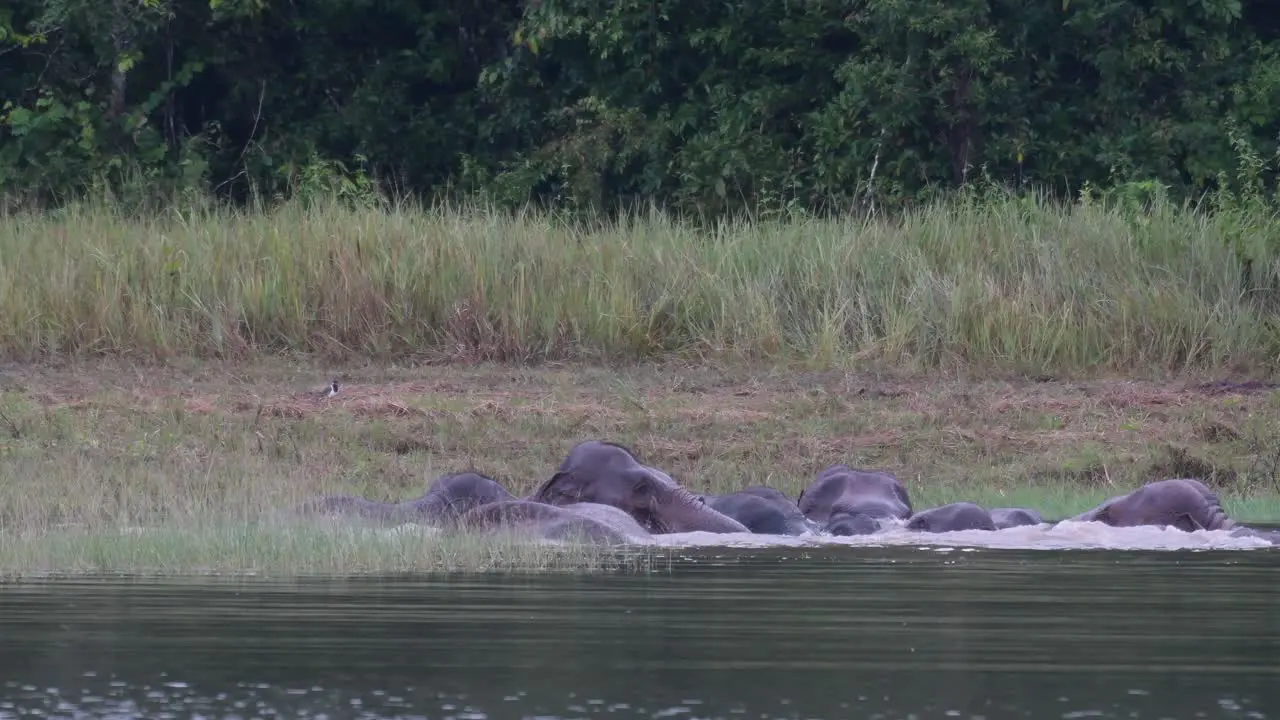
(824, 632)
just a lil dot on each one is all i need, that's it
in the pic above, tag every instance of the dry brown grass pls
(112, 442)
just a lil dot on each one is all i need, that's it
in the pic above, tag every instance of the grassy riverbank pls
(1008, 283)
(147, 385)
(194, 546)
(200, 448)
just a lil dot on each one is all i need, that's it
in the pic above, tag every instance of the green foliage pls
(706, 108)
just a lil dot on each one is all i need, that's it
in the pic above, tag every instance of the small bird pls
(332, 389)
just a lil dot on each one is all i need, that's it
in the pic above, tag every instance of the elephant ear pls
(563, 488)
(901, 492)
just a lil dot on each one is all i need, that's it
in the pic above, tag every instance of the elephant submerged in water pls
(849, 501)
(1014, 517)
(450, 496)
(591, 522)
(952, 517)
(763, 510)
(358, 508)
(1186, 504)
(610, 474)
(1183, 503)
(970, 516)
(446, 499)
(602, 492)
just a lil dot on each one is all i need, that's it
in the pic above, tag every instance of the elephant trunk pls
(1219, 520)
(682, 511)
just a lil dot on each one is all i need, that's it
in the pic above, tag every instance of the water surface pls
(815, 632)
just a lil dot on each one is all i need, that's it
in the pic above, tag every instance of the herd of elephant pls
(602, 493)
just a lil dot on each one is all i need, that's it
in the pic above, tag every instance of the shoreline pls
(97, 443)
(302, 552)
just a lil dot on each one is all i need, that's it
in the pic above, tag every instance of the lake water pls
(817, 632)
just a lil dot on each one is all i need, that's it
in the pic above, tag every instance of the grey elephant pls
(1014, 517)
(590, 522)
(952, 517)
(768, 493)
(448, 497)
(1182, 503)
(763, 510)
(352, 507)
(849, 501)
(610, 474)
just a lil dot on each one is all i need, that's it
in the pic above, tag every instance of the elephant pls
(351, 506)
(448, 497)
(593, 522)
(610, 474)
(951, 517)
(1015, 517)
(852, 524)
(763, 510)
(849, 501)
(768, 493)
(1182, 503)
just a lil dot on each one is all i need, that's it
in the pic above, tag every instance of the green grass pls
(1005, 284)
(201, 547)
(203, 452)
(769, 350)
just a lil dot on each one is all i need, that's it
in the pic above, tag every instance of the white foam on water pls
(1065, 535)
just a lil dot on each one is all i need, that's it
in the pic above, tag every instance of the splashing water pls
(1064, 535)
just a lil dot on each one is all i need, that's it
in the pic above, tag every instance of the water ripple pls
(806, 632)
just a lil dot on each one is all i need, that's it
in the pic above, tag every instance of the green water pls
(871, 633)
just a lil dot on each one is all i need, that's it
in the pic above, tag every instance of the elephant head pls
(842, 490)
(450, 496)
(657, 503)
(952, 517)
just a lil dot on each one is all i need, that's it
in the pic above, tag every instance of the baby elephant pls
(1015, 517)
(949, 518)
(763, 510)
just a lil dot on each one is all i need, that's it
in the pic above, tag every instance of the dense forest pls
(684, 103)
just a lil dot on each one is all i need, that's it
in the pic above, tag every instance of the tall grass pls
(1009, 282)
(297, 549)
